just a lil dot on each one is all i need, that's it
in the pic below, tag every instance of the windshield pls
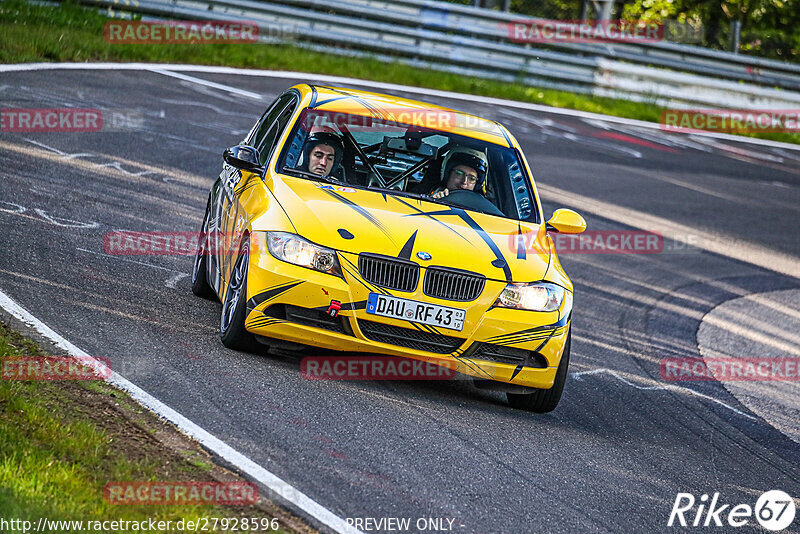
(396, 158)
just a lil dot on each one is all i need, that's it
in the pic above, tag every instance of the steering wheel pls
(464, 198)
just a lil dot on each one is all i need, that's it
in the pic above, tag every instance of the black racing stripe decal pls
(527, 339)
(420, 212)
(275, 199)
(561, 322)
(271, 293)
(514, 339)
(334, 99)
(437, 331)
(313, 96)
(491, 244)
(370, 106)
(472, 365)
(367, 105)
(527, 331)
(353, 271)
(549, 260)
(418, 326)
(261, 323)
(537, 349)
(250, 184)
(428, 328)
(478, 230)
(367, 215)
(334, 90)
(408, 248)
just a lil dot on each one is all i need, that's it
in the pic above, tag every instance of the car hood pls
(356, 220)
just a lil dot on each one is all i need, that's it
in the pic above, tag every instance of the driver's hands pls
(441, 194)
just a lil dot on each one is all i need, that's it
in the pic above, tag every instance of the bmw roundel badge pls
(424, 256)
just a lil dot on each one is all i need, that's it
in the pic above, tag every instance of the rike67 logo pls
(774, 510)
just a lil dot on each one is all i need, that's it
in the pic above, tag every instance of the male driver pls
(462, 168)
(322, 153)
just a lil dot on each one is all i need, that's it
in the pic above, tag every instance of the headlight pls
(538, 296)
(298, 251)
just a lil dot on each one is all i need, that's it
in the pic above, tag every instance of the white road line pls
(717, 243)
(170, 282)
(173, 281)
(172, 68)
(578, 376)
(247, 466)
(65, 223)
(200, 81)
(129, 261)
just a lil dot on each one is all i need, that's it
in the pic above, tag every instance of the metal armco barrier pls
(475, 42)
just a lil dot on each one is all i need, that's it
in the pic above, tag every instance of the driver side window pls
(267, 144)
(263, 135)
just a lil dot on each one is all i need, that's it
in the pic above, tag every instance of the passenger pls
(462, 168)
(322, 153)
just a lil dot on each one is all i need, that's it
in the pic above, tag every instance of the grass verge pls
(31, 33)
(62, 441)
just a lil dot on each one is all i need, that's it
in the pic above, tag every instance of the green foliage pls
(55, 458)
(770, 28)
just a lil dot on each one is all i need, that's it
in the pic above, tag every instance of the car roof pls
(407, 111)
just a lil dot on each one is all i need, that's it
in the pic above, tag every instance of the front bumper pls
(289, 302)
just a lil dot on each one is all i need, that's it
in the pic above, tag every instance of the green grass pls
(61, 442)
(32, 33)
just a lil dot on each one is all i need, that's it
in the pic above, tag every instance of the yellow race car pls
(363, 222)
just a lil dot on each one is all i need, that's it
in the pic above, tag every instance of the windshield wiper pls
(311, 175)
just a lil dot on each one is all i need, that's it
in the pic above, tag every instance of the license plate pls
(418, 312)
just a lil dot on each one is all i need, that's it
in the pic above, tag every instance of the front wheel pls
(545, 400)
(234, 308)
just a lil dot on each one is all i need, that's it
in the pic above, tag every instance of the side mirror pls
(566, 222)
(242, 157)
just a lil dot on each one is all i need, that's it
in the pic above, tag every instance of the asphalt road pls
(622, 443)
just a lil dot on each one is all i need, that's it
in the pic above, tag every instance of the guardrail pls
(475, 42)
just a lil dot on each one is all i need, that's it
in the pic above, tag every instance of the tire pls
(200, 285)
(545, 400)
(234, 307)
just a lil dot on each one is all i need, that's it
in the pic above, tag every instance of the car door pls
(263, 137)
